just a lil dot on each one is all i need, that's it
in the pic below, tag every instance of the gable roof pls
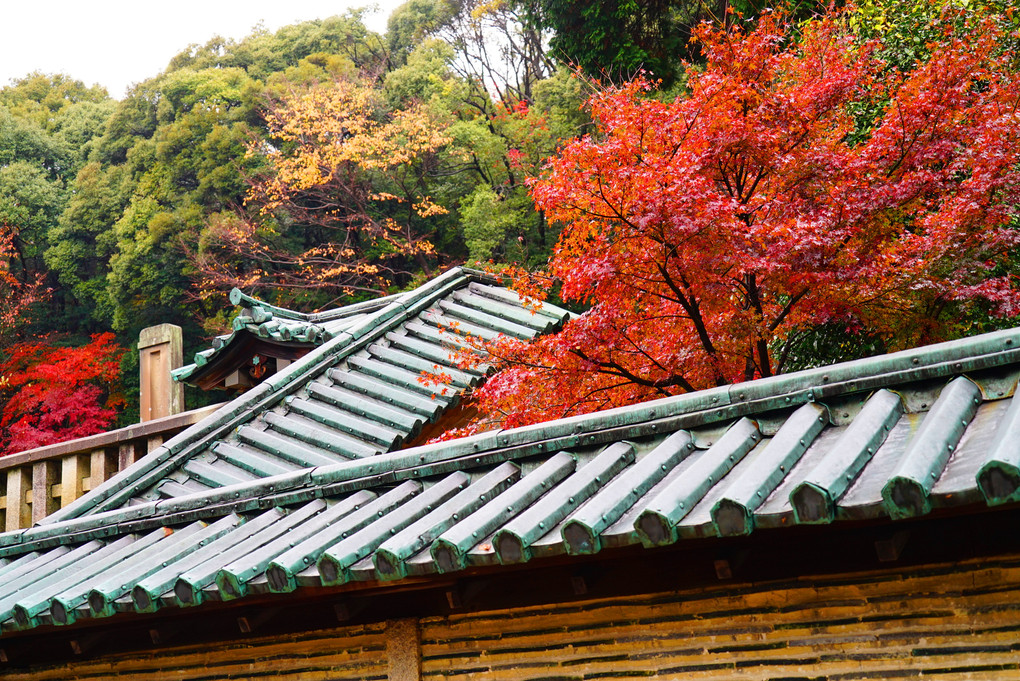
(262, 323)
(886, 438)
(359, 394)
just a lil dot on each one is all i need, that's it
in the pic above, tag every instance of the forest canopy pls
(750, 178)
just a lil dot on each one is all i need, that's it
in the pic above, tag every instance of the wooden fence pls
(37, 482)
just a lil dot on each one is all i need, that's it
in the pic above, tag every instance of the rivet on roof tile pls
(916, 360)
(787, 398)
(571, 500)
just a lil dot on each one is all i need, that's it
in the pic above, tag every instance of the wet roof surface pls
(888, 438)
(361, 394)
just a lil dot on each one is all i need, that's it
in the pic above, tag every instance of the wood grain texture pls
(952, 621)
(347, 654)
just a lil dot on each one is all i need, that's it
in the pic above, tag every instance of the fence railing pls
(37, 482)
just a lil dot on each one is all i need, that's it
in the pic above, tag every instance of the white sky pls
(120, 42)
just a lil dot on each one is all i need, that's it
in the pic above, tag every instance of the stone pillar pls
(160, 349)
(403, 650)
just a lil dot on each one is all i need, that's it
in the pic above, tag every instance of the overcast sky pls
(119, 42)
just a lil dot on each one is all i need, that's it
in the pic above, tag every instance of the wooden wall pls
(942, 622)
(346, 654)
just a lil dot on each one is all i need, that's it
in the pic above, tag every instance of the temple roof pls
(359, 394)
(884, 439)
(260, 324)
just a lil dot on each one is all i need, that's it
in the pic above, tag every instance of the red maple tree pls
(58, 393)
(800, 182)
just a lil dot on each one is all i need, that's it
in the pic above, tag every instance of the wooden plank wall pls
(940, 622)
(347, 654)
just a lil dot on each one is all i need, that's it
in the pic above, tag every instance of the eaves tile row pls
(654, 474)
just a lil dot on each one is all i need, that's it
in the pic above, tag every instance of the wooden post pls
(403, 650)
(160, 349)
(126, 455)
(19, 510)
(101, 468)
(44, 477)
(72, 476)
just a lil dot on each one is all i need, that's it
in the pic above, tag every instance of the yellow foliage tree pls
(341, 206)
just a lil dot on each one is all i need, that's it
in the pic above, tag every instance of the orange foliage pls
(15, 295)
(704, 232)
(325, 215)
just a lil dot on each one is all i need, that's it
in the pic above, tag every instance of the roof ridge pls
(238, 297)
(683, 411)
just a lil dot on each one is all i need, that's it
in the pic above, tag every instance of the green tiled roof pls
(881, 439)
(359, 394)
(262, 320)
